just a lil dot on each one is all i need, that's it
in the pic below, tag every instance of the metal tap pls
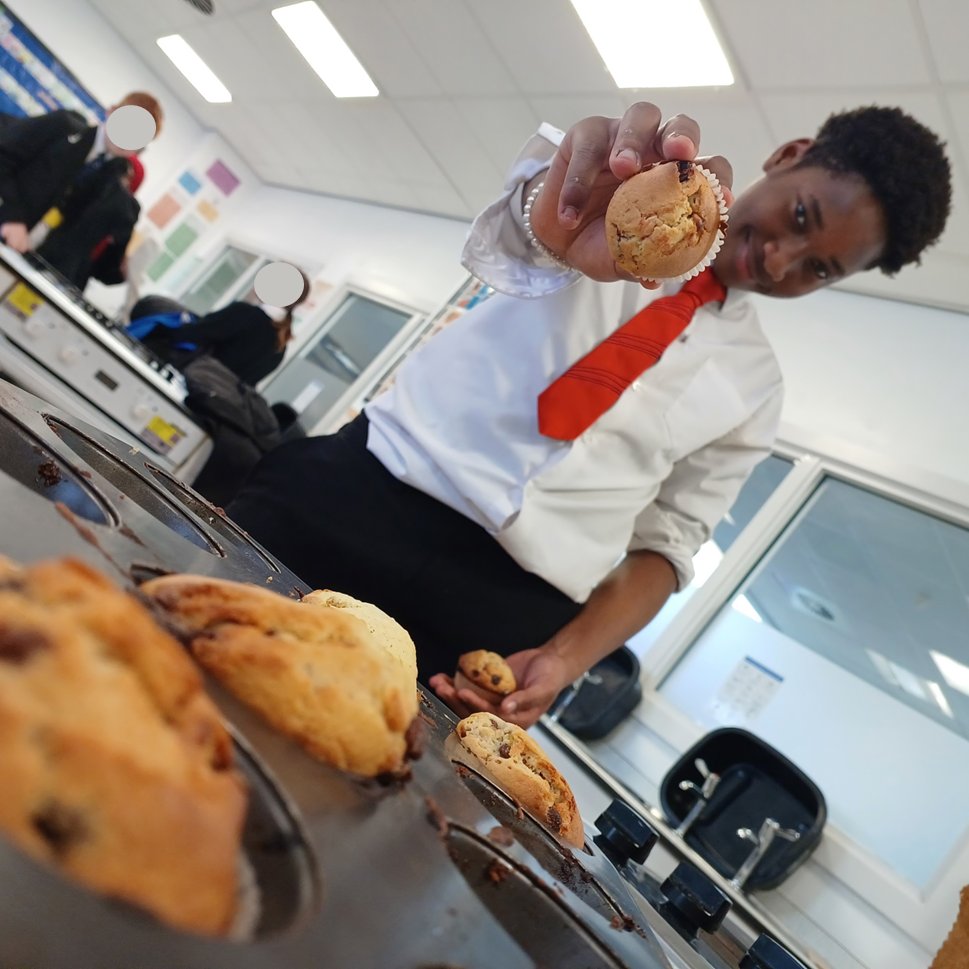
(573, 691)
(769, 830)
(703, 791)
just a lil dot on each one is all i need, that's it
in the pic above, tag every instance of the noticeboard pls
(32, 80)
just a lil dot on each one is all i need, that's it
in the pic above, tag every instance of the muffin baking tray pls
(441, 870)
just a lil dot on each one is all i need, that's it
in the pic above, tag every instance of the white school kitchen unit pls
(822, 647)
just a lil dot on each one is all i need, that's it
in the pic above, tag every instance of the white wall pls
(401, 255)
(875, 374)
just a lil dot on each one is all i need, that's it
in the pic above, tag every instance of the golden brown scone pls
(662, 223)
(954, 953)
(513, 759)
(486, 673)
(115, 766)
(386, 631)
(317, 675)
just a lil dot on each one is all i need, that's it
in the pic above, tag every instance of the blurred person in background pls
(42, 157)
(98, 217)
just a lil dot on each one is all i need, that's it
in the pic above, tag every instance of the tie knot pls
(705, 288)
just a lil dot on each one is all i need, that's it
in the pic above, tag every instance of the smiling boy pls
(445, 504)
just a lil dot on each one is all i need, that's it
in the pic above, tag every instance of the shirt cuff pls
(497, 250)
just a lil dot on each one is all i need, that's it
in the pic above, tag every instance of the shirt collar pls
(99, 146)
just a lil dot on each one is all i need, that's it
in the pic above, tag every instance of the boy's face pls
(796, 230)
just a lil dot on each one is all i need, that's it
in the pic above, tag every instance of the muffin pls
(666, 222)
(519, 766)
(385, 631)
(116, 767)
(330, 680)
(485, 673)
(954, 953)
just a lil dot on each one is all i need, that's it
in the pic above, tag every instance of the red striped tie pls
(579, 397)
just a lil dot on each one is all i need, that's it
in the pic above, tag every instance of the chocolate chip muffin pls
(486, 673)
(321, 675)
(666, 222)
(518, 765)
(116, 768)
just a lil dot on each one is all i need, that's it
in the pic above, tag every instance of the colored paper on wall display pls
(207, 210)
(160, 266)
(223, 179)
(746, 692)
(164, 210)
(189, 182)
(181, 239)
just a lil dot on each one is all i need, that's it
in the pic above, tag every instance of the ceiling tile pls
(947, 27)
(824, 43)
(452, 46)
(540, 64)
(502, 125)
(454, 143)
(386, 53)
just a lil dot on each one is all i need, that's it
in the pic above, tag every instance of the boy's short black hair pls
(904, 165)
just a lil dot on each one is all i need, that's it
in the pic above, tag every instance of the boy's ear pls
(790, 153)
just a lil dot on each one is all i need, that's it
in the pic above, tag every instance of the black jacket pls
(240, 335)
(98, 209)
(39, 160)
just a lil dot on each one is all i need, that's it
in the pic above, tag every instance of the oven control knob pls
(765, 953)
(141, 410)
(693, 901)
(624, 835)
(69, 353)
(35, 328)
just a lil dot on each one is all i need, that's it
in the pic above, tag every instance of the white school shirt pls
(657, 471)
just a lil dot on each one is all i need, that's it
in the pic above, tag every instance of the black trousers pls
(328, 509)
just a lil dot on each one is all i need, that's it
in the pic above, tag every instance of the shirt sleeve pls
(701, 488)
(497, 250)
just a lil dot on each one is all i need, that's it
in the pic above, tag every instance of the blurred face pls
(111, 148)
(796, 230)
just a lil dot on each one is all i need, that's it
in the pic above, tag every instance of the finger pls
(677, 138)
(525, 719)
(475, 702)
(722, 169)
(633, 144)
(532, 699)
(445, 690)
(587, 147)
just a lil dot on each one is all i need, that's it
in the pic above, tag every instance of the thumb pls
(531, 696)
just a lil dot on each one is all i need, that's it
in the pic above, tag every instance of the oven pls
(438, 871)
(60, 347)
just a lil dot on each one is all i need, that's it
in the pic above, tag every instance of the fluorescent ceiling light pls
(196, 71)
(325, 50)
(655, 43)
(956, 674)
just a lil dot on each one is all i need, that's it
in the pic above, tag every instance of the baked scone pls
(115, 766)
(486, 673)
(386, 631)
(665, 222)
(519, 766)
(954, 953)
(318, 675)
